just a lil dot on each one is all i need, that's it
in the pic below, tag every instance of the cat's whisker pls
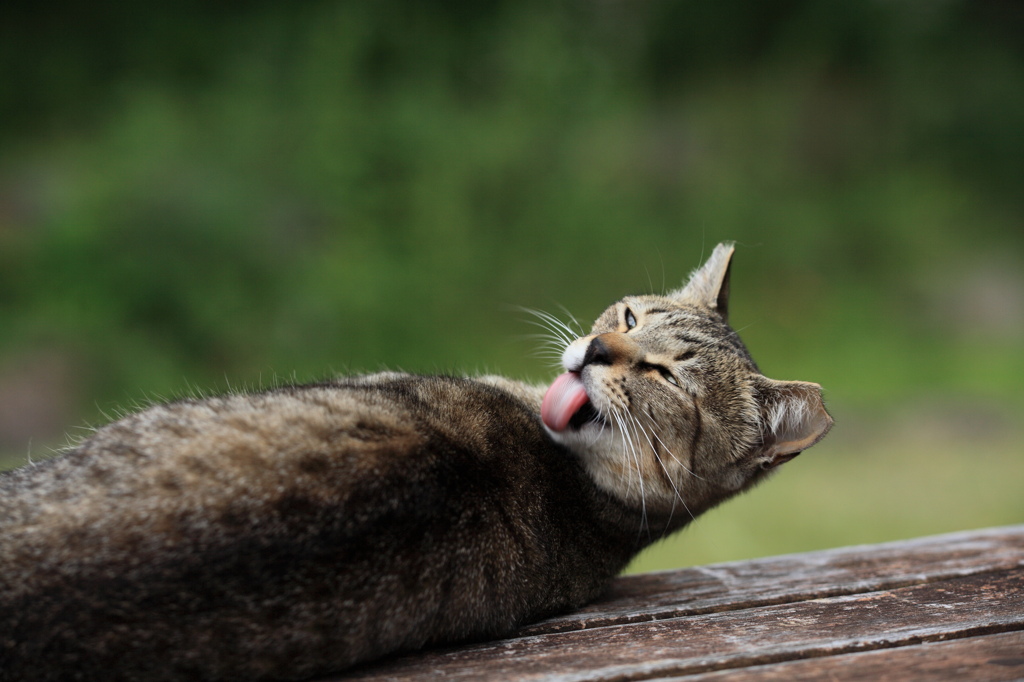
(637, 430)
(641, 431)
(629, 479)
(550, 348)
(672, 454)
(578, 331)
(629, 449)
(554, 339)
(548, 355)
(654, 430)
(622, 435)
(549, 321)
(668, 476)
(554, 325)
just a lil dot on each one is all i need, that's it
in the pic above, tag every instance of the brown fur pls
(304, 529)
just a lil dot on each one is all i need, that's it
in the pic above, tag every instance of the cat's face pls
(665, 407)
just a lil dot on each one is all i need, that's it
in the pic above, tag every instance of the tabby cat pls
(301, 530)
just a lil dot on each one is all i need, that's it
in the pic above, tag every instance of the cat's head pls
(666, 408)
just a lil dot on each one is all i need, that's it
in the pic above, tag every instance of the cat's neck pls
(632, 527)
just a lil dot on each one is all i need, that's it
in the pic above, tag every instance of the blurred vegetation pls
(220, 194)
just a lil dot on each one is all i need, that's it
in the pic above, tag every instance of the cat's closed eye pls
(665, 372)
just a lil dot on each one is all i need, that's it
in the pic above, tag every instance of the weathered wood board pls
(942, 607)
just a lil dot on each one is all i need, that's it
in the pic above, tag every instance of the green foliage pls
(228, 193)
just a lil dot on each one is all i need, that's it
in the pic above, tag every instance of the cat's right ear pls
(709, 284)
(793, 418)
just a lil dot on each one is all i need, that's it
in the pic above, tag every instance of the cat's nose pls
(607, 349)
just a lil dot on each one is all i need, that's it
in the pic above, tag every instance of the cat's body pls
(298, 531)
(304, 529)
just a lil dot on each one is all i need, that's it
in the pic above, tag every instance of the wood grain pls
(948, 606)
(993, 658)
(796, 577)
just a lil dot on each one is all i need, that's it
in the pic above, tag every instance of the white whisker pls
(548, 321)
(578, 331)
(668, 476)
(668, 450)
(635, 454)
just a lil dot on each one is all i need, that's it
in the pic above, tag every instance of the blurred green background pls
(216, 195)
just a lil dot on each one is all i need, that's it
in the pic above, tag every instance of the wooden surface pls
(943, 607)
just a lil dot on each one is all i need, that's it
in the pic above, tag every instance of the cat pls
(305, 529)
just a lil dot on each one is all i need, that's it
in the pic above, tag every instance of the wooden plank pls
(960, 607)
(992, 657)
(797, 577)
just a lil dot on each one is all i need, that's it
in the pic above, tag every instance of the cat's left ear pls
(709, 284)
(793, 419)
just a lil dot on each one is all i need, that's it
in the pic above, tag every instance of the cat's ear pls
(709, 284)
(793, 419)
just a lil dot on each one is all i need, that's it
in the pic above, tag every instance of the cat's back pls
(303, 518)
(239, 449)
(320, 438)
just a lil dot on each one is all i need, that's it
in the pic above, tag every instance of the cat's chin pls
(588, 437)
(599, 449)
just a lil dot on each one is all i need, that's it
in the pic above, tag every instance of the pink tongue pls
(565, 397)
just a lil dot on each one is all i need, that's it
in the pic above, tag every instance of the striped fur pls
(684, 418)
(289, 533)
